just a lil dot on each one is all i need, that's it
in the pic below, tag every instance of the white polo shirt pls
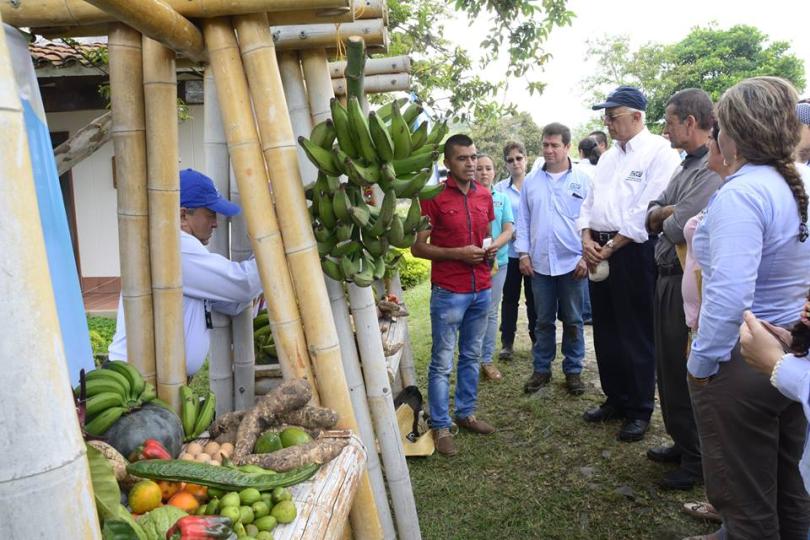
(625, 181)
(210, 281)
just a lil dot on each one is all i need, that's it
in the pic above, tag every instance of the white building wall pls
(95, 197)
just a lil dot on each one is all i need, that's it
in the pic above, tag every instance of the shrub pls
(412, 270)
(102, 330)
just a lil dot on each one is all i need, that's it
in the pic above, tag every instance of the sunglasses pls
(514, 159)
(613, 117)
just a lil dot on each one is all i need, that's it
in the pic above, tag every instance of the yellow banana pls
(359, 125)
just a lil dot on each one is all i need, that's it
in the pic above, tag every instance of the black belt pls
(602, 237)
(670, 270)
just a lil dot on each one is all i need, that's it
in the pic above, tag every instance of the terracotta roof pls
(49, 54)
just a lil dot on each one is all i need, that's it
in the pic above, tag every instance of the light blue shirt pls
(503, 215)
(547, 221)
(793, 380)
(749, 251)
(506, 187)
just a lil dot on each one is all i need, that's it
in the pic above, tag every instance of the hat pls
(198, 191)
(624, 96)
(803, 112)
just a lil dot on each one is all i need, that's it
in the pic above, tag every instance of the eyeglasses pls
(612, 117)
(514, 159)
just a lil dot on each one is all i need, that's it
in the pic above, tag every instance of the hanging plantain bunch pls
(356, 240)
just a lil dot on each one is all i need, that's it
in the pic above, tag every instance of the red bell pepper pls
(202, 528)
(150, 449)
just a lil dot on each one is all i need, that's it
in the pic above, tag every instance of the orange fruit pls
(167, 489)
(199, 492)
(144, 496)
(185, 501)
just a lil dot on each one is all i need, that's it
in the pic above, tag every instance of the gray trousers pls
(752, 439)
(671, 339)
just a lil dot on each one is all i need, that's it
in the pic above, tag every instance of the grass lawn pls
(545, 473)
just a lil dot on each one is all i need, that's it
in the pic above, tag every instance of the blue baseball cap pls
(198, 191)
(624, 96)
(803, 112)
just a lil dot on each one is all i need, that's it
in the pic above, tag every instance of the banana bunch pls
(196, 415)
(263, 344)
(379, 149)
(110, 392)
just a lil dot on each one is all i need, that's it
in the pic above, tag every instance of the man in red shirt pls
(459, 301)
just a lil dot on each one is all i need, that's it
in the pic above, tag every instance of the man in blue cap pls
(210, 281)
(634, 171)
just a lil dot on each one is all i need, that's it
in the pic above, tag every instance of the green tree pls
(446, 77)
(492, 134)
(707, 58)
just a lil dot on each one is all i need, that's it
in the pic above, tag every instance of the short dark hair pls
(600, 136)
(590, 150)
(459, 139)
(694, 102)
(555, 128)
(513, 145)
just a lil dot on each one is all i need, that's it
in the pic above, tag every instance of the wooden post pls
(37, 411)
(159, 21)
(160, 97)
(129, 142)
(316, 75)
(279, 147)
(251, 175)
(296, 97)
(217, 166)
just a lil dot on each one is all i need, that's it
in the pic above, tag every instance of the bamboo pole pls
(244, 355)
(251, 176)
(377, 84)
(407, 371)
(319, 36)
(295, 95)
(129, 141)
(78, 12)
(37, 409)
(279, 147)
(217, 166)
(159, 21)
(163, 175)
(361, 9)
(374, 66)
(316, 75)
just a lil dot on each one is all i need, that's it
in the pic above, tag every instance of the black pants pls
(622, 307)
(671, 341)
(511, 302)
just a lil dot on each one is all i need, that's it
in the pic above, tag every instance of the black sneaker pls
(536, 382)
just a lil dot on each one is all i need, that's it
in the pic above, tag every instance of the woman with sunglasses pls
(514, 155)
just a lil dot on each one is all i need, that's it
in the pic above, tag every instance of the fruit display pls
(110, 392)
(196, 415)
(353, 237)
(254, 513)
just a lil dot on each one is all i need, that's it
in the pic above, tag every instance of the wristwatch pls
(610, 243)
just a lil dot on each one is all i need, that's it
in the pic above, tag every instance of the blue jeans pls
(492, 317)
(463, 317)
(566, 294)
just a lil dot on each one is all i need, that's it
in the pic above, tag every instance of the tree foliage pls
(446, 77)
(707, 58)
(492, 134)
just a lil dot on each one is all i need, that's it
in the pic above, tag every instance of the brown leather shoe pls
(443, 440)
(471, 423)
(574, 384)
(536, 382)
(490, 372)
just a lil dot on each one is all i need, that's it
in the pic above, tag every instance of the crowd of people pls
(666, 244)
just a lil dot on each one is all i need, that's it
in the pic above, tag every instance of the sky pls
(644, 21)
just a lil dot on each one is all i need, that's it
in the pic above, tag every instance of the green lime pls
(215, 492)
(249, 496)
(264, 535)
(251, 530)
(268, 442)
(284, 512)
(266, 523)
(246, 514)
(281, 494)
(231, 512)
(293, 436)
(230, 499)
(260, 509)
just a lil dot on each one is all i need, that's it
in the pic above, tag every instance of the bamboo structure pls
(217, 166)
(320, 36)
(129, 141)
(295, 95)
(159, 21)
(79, 12)
(163, 176)
(251, 176)
(361, 9)
(377, 84)
(319, 85)
(38, 393)
(374, 66)
(279, 148)
(83, 143)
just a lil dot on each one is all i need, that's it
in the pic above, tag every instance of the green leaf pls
(116, 529)
(124, 515)
(105, 487)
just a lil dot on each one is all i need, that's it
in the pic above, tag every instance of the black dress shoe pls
(680, 479)
(633, 430)
(602, 413)
(664, 454)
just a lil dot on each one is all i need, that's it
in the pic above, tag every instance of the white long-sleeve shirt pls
(625, 181)
(210, 281)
